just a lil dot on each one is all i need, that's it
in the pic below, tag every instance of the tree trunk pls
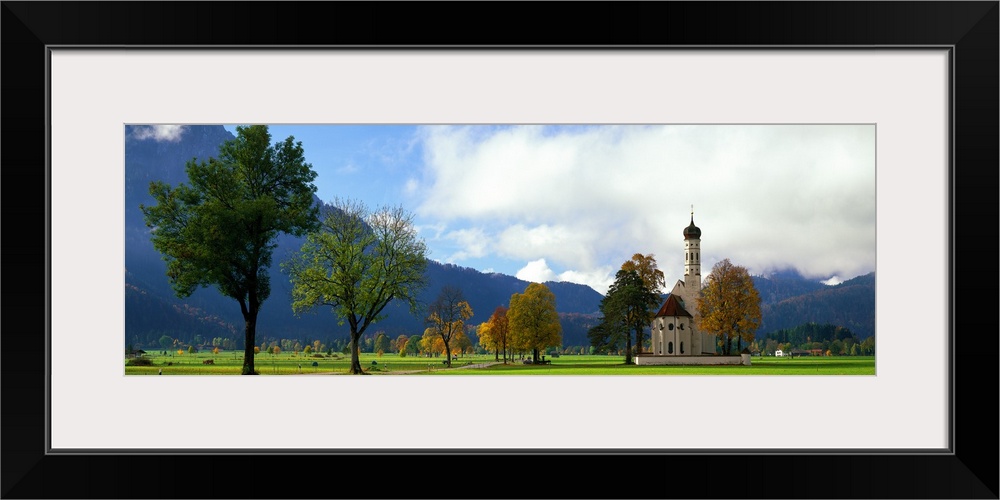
(355, 354)
(638, 340)
(534, 356)
(628, 350)
(250, 338)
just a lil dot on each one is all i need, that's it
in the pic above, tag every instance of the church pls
(674, 335)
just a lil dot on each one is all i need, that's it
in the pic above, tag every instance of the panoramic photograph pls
(497, 249)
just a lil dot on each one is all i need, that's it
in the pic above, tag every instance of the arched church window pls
(670, 347)
(681, 326)
(682, 347)
(661, 325)
(670, 326)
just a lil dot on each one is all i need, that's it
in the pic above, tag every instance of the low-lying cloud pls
(159, 133)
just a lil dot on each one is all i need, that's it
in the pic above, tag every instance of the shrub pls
(139, 362)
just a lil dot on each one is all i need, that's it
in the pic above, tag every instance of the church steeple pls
(692, 230)
(692, 254)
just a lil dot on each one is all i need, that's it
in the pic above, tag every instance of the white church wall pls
(688, 360)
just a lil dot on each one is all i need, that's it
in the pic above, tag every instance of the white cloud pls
(159, 133)
(587, 198)
(600, 279)
(832, 281)
(472, 243)
(566, 245)
(536, 271)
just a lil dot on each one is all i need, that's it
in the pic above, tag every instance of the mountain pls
(850, 304)
(785, 284)
(152, 309)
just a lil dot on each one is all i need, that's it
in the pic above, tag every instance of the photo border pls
(30, 29)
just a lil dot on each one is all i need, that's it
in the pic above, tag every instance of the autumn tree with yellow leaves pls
(533, 321)
(729, 305)
(446, 318)
(494, 333)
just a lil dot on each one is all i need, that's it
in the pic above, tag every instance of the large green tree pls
(623, 309)
(729, 305)
(608, 336)
(381, 342)
(652, 277)
(222, 228)
(358, 262)
(413, 344)
(533, 321)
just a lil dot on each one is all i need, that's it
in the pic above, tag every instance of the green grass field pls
(231, 362)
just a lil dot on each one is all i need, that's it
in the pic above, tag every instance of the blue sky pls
(572, 203)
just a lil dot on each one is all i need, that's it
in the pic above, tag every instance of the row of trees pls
(850, 346)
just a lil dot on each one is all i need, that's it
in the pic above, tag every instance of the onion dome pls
(692, 232)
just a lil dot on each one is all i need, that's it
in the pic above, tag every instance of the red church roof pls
(672, 307)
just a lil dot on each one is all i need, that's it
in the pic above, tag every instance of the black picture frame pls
(969, 28)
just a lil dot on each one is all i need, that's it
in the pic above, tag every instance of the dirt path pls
(410, 372)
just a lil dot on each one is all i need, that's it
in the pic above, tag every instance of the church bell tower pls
(692, 256)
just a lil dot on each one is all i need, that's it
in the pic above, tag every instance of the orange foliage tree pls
(730, 305)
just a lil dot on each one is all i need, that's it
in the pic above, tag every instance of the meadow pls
(231, 362)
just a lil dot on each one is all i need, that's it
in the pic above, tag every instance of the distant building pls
(134, 353)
